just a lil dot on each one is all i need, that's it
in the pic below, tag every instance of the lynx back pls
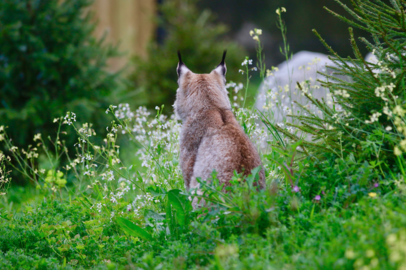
(211, 138)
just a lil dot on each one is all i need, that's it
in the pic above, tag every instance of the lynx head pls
(200, 91)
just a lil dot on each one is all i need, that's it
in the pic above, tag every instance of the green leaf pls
(176, 202)
(271, 128)
(245, 128)
(151, 214)
(4, 216)
(181, 204)
(80, 247)
(133, 229)
(252, 176)
(284, 169)
(279, 151)
(85, 202)
(169, 217)
(295, 145)
(158, 191)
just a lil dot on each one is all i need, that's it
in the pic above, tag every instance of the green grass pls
(333, 202)
(51, 234)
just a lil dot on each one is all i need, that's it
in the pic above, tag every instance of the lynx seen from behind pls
(211, 138)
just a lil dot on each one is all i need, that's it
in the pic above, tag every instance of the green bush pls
(51, 63)
(367, 118)
(200, 42)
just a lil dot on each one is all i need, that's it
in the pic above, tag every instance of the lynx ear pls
(221, 68)
(182, 68)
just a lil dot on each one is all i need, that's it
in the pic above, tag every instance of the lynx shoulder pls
(211, 138)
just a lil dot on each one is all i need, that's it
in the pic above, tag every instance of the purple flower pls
(295, 189)
(376, 185)
(317, 198)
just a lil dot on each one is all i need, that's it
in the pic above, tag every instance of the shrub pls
(368, 113)
(49, 64)
(363, 129)
(199, 40)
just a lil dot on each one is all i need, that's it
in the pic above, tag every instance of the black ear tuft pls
(222, 64)
(179, 64)
(180, 58)
(224, 58)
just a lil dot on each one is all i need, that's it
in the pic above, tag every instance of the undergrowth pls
(335, 175)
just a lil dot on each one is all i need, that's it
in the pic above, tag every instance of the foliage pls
(367, 116)
(324, 207)
(369, 233)
(198, 39)
(50, 63)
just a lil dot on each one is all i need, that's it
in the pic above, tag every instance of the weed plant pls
(334, 198)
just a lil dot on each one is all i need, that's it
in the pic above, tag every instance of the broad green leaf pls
(176, 201)
(169, 216)
(181, 204)
(133, 229)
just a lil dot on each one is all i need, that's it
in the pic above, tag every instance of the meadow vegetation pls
(335, 174)
(51, 63)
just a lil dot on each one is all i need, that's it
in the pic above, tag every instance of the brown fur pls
(211, 138)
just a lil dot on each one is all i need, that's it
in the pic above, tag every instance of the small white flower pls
(399, 110)
(37, 137)
(397, 151)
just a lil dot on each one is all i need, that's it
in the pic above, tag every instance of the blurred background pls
(135, 23)
(149, 32)
(83, 55)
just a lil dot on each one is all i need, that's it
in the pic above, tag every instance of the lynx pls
(211, 138)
